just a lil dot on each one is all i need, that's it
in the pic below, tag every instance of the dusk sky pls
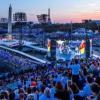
(61, 10)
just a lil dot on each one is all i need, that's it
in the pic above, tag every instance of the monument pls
(9, 36)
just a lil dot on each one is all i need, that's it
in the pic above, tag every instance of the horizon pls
(62, 11)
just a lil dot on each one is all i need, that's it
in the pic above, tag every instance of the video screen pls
(62, 50)
(66, 50)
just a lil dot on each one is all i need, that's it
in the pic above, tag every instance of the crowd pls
(79, 79)
(19, 62)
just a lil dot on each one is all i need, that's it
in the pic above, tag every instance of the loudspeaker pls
(87, 48)
(53, 49)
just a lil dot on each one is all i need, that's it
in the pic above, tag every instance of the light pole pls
(20, 18)
(70, 33)
(43, 20)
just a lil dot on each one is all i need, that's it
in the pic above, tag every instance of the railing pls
(24, 54)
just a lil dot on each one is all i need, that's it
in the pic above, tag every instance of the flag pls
(49, 45)
(82, 47)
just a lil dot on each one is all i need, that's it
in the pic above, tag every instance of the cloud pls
(92, 4)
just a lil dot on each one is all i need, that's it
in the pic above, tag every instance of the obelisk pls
(10, 21)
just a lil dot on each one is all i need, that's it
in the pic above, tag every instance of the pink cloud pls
(76, 17)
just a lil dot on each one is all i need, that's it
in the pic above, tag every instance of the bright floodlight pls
(60, 42)
(9, 37)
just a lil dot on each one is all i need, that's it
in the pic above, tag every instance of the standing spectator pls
(75, 71)
(87, 89)
(46, 95)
